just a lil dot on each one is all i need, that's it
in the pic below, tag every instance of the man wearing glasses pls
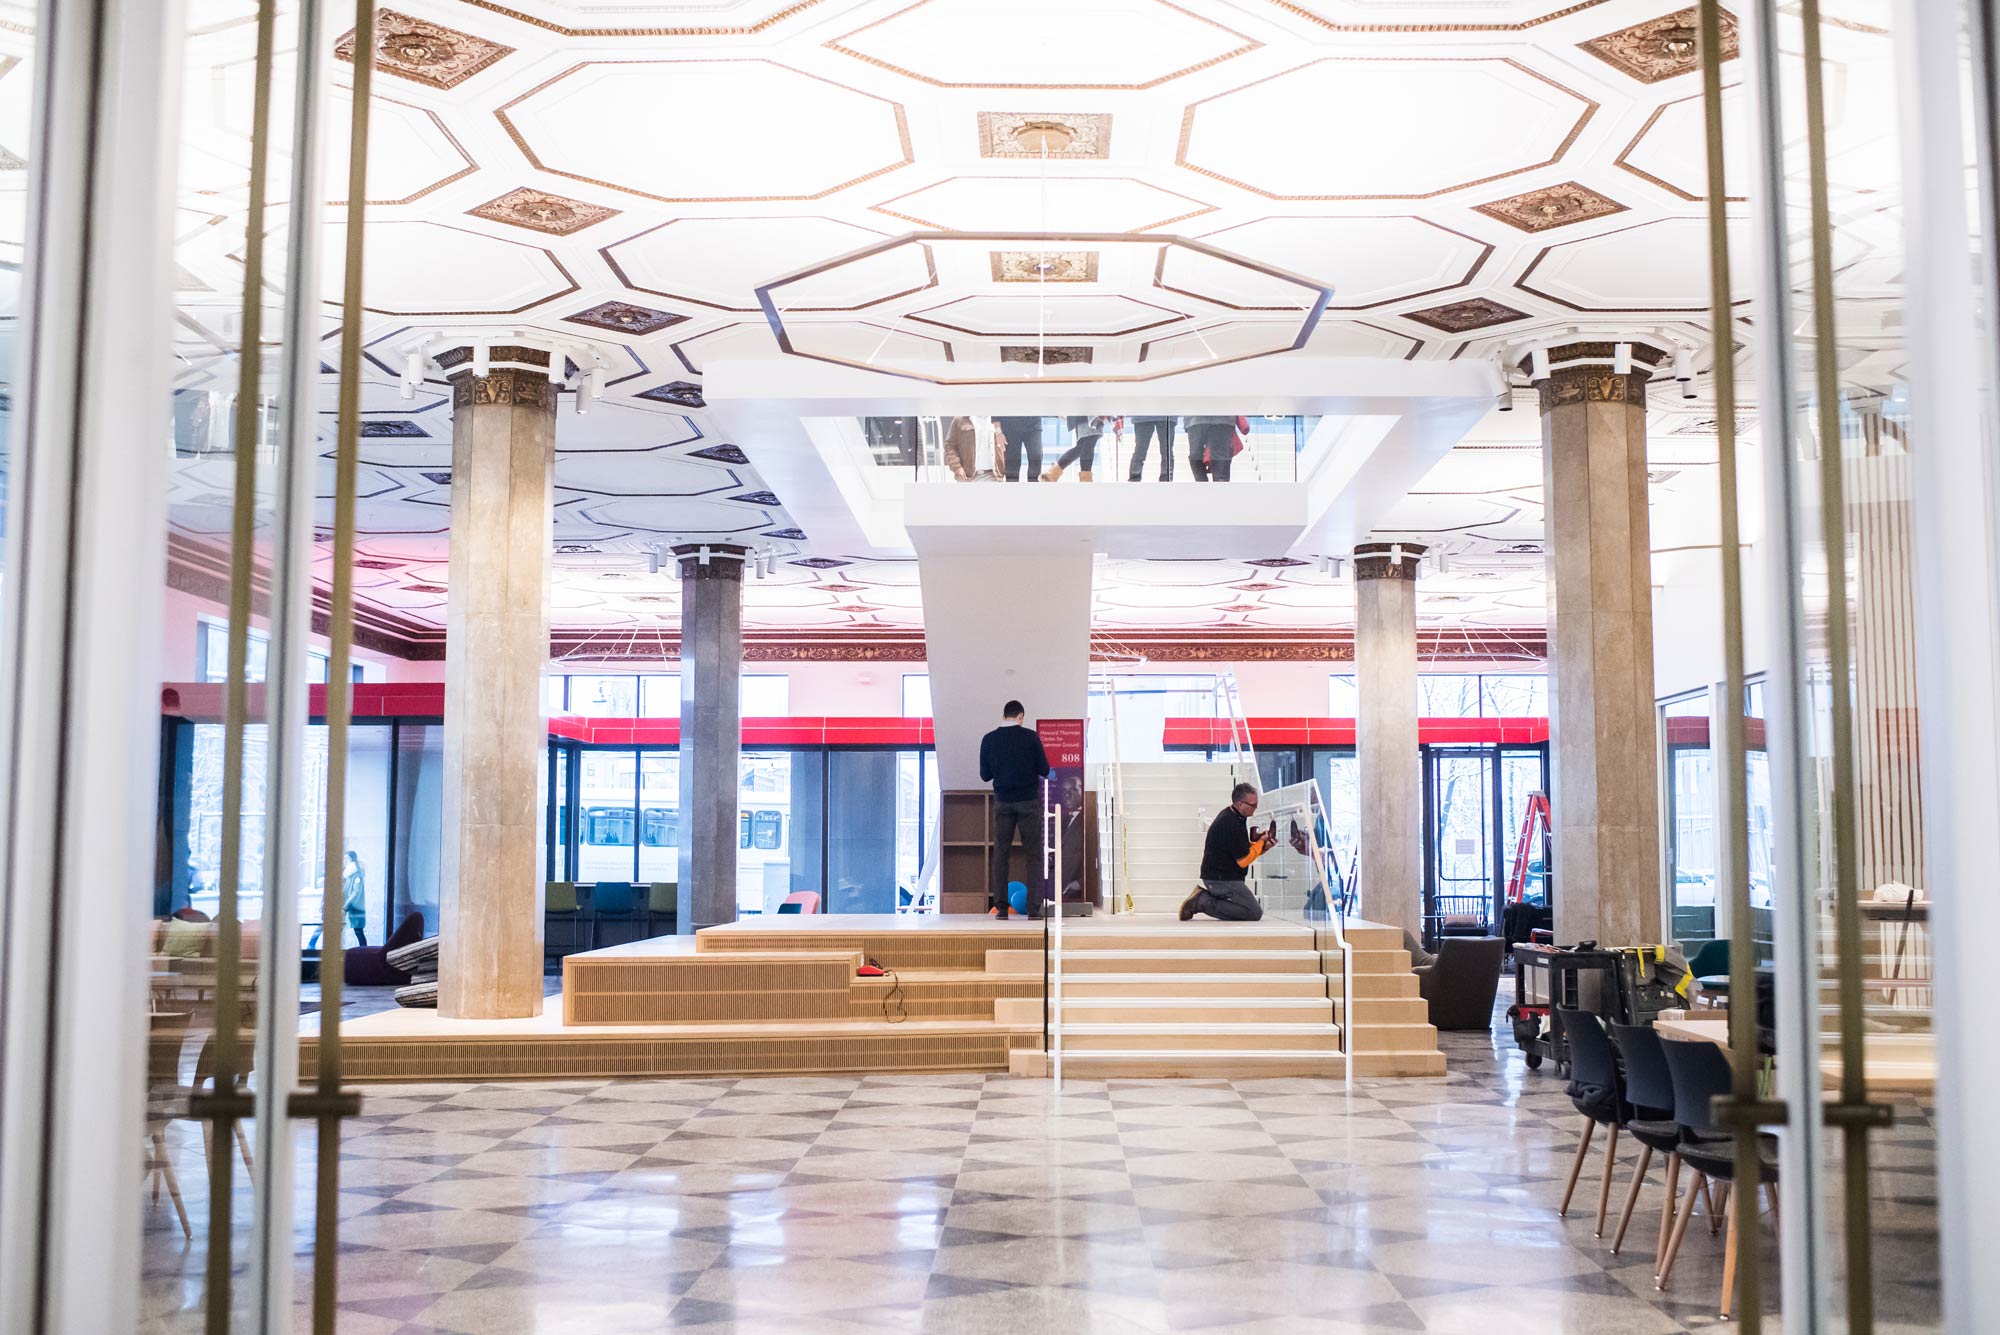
(1225, 862)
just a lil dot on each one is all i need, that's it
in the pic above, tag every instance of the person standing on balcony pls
(1211, 447)
(1089, 430)
(1011, 758)
(1024, 445)
(1146, 430)
(1226, 856)
(961, 448)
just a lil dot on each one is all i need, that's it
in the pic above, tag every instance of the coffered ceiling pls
(1460, 174)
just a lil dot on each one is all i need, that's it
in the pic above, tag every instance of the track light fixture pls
(1621, 359)
(1538, 364)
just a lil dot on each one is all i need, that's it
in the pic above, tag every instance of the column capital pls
(1388, 560)
(1589, 372)
(711, 560)
(513, 375)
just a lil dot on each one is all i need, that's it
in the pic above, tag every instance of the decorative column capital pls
(1576, 373)
(513, 375)
(1388, 560)
(711, 560)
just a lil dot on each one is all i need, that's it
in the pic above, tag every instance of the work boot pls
(1187, 905)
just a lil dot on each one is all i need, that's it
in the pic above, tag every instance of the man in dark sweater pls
(1012, 760)
(1226, 859)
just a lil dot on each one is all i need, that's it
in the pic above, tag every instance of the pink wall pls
(181, 613)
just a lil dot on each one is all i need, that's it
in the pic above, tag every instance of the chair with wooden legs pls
(166, 1099)
(1597, 1089)
(1701, 1075)
(1650, 1088)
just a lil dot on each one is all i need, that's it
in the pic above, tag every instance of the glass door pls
(1461, 862)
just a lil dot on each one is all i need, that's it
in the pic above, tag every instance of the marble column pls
(711, 730)
(503, 434)
(1604, 781)
(1389, 765)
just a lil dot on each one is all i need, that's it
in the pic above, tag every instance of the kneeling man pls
(1226, 859)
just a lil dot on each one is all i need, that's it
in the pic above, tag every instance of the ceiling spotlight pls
(1621, 359)
(413, 372)
(482, 360)
(1440, 563)
(652, 560)
(1683, 363)
(1042, 138)
(1538, 364)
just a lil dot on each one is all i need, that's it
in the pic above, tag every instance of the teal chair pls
(1710, 966)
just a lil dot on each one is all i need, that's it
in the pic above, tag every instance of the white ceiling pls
(1461, 174)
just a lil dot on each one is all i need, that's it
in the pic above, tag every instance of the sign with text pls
(1062, 738)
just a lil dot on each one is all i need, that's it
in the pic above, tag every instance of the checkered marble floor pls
(967, 1204)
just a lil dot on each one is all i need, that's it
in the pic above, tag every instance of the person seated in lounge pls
(1225, 862)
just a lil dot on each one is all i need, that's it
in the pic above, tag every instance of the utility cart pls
(1548, 977)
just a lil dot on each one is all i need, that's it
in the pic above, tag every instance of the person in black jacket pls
(1225, 862)
(1011, 758)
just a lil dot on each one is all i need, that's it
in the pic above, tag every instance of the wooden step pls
(1196, 985)
(1398, 1063)
(1380, 961)
(1374, 985)
(1188, 936)
(1213, 1064)
(1394, 1038)
(1199, 1038)
(1191, 961)
(1389, 1010)
(1075, 1010)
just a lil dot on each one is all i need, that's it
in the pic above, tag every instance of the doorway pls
(1475, 801)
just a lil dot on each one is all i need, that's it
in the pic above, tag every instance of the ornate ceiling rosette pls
(1029, 288)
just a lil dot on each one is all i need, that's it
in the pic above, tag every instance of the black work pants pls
(1008, 817)
(1211, 446)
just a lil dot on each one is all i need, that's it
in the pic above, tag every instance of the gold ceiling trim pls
(1249, 44)
(521, 142)
(1300, 11)
(618, 270)
(471, 163)
(1521, 282)
(1486, 249)
(883, 208)
(1623, 160)
(547, 25)
(1590, 108)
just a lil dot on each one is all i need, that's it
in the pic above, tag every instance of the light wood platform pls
(776, 995)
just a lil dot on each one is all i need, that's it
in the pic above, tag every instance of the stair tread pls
(1202, 1027)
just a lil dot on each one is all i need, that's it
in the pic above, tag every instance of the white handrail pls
(1052, 927)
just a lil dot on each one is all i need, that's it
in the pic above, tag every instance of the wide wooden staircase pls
(1147, 995)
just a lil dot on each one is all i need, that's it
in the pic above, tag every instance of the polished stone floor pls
(967, 1204)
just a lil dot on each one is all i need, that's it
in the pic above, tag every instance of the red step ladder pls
(1535, 823)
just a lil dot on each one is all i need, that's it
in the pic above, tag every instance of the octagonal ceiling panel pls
(1669, 149)
(1230, 284)
(853, 285)
(748, 338)
(1105, 315)
(427, 268)
(1657, 266)
(638, 18)
(718, 262)
(1026, 203)
(1433, 126)
(1427, 16)
(1043, 43)
(1366, 261)
(651, 473)
(679, 514)
(766, 131)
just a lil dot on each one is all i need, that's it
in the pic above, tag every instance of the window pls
(1342, 699)
(766, 696)
(1514, 695)
(211, 653)
(605, 697)
(1457, 695)
(1447, 695)
(916, 695)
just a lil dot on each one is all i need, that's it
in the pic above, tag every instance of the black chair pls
(1461, 981)
(1701, 1075)
(1650, 1088)
(1597, 1089)
(616, 915)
